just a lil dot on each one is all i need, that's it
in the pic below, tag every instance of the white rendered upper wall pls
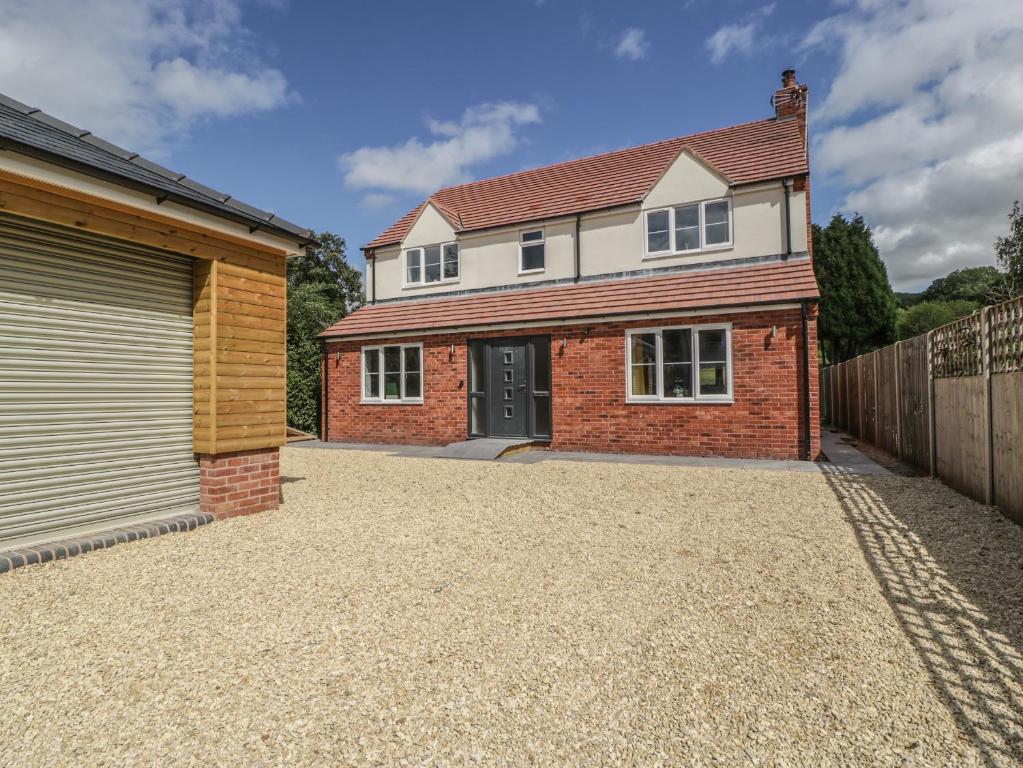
(609, 242)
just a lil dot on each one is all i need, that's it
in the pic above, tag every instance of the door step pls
(486, 448)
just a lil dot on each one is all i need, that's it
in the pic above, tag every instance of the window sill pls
(391, 402)
(532, 271)
(670, 254)
(680, 401)
(415, 286)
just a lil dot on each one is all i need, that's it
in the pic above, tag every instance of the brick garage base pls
(239, 483)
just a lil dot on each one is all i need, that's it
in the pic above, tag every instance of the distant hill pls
(907, 300)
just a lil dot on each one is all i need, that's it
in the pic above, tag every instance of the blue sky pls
(558, 56)
(342, 116)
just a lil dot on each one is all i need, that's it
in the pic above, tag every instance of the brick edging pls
(79, 545)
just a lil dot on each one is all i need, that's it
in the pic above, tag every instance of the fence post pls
(989, 432)
(898, 400)
(931, 447)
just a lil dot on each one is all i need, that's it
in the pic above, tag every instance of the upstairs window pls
(431, 264)
(531, 251)
(679, 364)
(689, 228)
(393, 374)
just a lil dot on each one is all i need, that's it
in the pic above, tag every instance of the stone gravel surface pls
(404, 611)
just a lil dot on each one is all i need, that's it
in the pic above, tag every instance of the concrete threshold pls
(485, 448)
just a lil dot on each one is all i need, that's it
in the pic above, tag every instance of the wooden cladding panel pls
(240, 379)
(45, 201)
(203, 432)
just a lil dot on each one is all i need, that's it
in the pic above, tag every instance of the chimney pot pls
(788, 78)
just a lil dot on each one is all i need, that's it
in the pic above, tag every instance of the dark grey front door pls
(508, 398)
(510, 387)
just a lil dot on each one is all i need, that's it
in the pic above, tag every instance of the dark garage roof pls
(33, 132)
(706, 289)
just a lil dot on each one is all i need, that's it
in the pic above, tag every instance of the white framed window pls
(689, 228)
(532, 251)
(392, 373)
(431, 264)
(681, 364)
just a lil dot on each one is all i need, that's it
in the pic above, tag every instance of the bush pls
(926, 315)
(322, 288)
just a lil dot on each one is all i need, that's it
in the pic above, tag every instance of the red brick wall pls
(588, 386)
(239, 483)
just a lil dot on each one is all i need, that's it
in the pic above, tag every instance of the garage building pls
(142, 339)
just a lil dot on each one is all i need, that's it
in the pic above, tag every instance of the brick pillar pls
(240, 482)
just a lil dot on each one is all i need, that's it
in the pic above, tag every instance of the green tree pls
(926, 315)
(977, 284)
(1009, 252)
(322, 288)
(858, 308)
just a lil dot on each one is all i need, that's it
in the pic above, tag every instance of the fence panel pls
(853, 407)
(914, 403)
(868, 395)
(1006, 329)
(887, 412)
(1007, 407)
(961, 439)
(842, 395)
(956, 393)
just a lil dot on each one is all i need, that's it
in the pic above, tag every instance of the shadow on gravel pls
(952, 572)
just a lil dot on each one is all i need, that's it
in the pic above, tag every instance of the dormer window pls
(531, 251)
(431, 264)
(689, 228)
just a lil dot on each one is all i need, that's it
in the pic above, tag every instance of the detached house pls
(657, 299)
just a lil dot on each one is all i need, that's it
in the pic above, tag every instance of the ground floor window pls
(679, 364)
(393, 373)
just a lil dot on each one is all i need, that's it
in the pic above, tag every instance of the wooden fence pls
(949, 402)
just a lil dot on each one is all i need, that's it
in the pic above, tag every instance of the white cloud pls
(632, 45)
(923, 122)
(377, 200)
(738, 37)
(484, 132)
(136, 72)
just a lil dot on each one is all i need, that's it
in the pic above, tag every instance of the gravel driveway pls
(401, 611)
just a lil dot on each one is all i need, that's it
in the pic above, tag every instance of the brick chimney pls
(790, 99)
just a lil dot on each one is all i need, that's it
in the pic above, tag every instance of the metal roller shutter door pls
(95, 384)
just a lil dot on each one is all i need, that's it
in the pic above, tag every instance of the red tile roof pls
(771, 282)
(758, 151)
